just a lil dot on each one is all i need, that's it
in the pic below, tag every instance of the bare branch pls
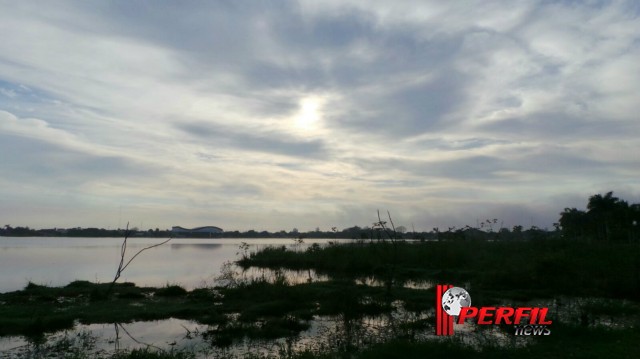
(382, 225)
(395, 234)
(123, 250)
(137, 341)
(142, 250)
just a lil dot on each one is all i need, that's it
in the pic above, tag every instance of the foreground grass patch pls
(565, 342)
(38, 309)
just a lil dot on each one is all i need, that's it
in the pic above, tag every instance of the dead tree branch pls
(123, 250)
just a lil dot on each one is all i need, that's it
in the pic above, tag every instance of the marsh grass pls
(171, 290)
(516, 269)
(565, 342)
(40, 309)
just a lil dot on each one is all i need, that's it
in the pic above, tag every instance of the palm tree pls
(610, 215)
(574, 223)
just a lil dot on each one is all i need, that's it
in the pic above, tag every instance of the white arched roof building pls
(205, 229)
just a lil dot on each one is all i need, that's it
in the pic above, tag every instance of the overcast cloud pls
(274, 115)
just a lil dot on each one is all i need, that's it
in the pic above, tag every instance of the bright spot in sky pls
(309, 114)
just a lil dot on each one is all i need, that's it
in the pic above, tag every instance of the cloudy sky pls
(281, 114)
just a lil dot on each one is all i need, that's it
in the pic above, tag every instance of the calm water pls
(57, 261)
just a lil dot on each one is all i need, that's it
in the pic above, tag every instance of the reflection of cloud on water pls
(205, 246)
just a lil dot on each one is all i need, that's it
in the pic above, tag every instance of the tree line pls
(607, 218)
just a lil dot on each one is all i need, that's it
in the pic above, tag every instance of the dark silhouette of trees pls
(608, 214)
(608, 219)
(574, 223)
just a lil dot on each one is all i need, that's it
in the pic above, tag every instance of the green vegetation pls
(607, 218)
(565, 342)
(151, 354)
(38, 309)
(516, 269)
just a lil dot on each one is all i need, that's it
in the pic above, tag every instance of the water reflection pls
(199, 246)
(411, 284)
(290, 277)
(342, 333)
(103, 340)
(188, 261)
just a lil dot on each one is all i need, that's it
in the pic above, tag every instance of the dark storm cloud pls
(267, 142)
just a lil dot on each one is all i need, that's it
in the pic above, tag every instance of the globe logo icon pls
(455, 299)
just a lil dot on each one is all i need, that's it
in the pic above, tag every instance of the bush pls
(171, 291)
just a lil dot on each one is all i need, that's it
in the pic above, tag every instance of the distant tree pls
(354, 232)
(608, 218)
(574, 223)
(610, 215)
(634, 213)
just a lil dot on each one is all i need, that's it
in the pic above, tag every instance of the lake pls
(57, 261)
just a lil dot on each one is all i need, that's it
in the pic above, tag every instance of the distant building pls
(198, 230)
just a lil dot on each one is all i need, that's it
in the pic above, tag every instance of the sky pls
(273, 115)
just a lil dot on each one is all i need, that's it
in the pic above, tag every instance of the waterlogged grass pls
(565, 342)
(151, 354)
(318, 298)
(511, 269)
(38, 309)
(256, 309)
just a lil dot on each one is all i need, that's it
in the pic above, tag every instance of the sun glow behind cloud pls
(308, 117)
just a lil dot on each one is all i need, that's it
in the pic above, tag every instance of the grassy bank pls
(38, 309)
(519, 269)
(280, 309)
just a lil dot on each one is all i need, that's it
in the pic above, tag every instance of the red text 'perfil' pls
(504, 315)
